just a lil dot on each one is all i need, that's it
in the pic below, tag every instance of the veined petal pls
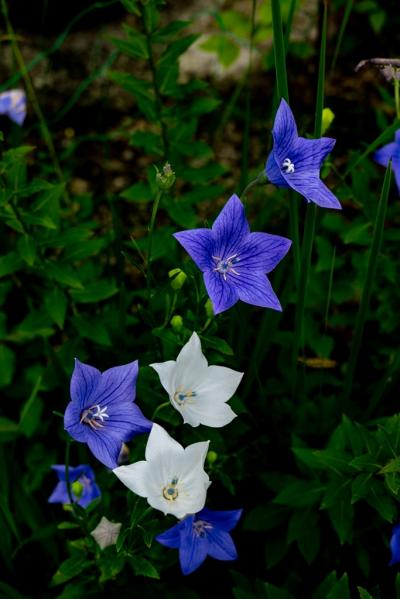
(60, 494)
(314, 190)
(190, 365)
(395, 545)
(218, 384)
(255, 288)
(89, 493)
(263, 251)
(199, 244)
(73, 472)
(135, 477)
(396, 171)
(274, 172)
(229, 229)
(73, 424)
(193, 462)
(161, 443)
(104, 447)
(208, 412)
(166, 371)
(220, 545)
(84, 382)
(306, 155)
(386, 153)
(171, 537)
(225, 520)
(125, 420)
(222, 293)
(193, 550)
(116, 384)
(284, 130)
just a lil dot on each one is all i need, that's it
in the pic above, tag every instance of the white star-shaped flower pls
(198, 391)
(106, 532)
(172, 478)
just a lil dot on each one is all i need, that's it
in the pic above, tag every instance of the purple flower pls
(391, 152)
(101, 412)
(82, 485)
(296, 161)
(395, 545)
(202, 534)
(233, 260)
(13, 104)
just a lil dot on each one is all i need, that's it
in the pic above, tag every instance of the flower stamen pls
(288, 166)
(181, 396)
(170, 492)
(225, 265)
(94, 417)
(200, 527)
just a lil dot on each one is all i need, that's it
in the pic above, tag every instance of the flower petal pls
(199, 244)
(220, 545)
(90, 492)
(223, 295)
(171, 537)
(135, 477)
(255, 288)
(104, 447)
(225, 520)
(72, 423)
(395, 545)
(192, 465)
(166, 371)
(208, 413)
(160, 443)
(59, 495)
(396, 170)
(190, 365)
(274, 172)
(284, 131)
(314, 190)
(306, 155)
(84, 382)
(218, 383)
(73, 472)
(125, 421)
(263, 251)
(386, 153)
(229, 228)
(193, 550)
(117, 384)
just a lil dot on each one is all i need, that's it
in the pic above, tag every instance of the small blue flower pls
(234, 261)
(395, 545)
(82, 485)
(202, 534)
(13, 104)
(296, 161)
(390, 152)
(101, 412)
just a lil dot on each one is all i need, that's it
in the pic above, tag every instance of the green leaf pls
(273, 592)
(225, 48)
(139, 192)
(55, 302)
(10, 263)
(142, 567)
(150, 142)
(326, 585)
(339, 462)
(304, 529)
(300, 494)
(47, 204)
(379, 499)
(165, 34)
(71, 567)
(95, 292)
(8, 429)
(63, 275)
(341, 514)
(218, 344)
(175, 49)
(392, 466)
(110, 566)
(341, 589)
(265, 517)
(91, 328)
(360, 486)
(360, 234)
(366, 462)
(7, 365)
(364, 594)
(27, 249)
(31, 412)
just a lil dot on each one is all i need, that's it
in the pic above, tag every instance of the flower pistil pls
(288, 166)
(94, 416)
(225, 265)
(170, 492)
(181, 396)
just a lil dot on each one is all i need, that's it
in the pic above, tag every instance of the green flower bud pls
(212, 457)
(177, 322)
(178, 278)
(209, 309)
(166, 178)
(327, 118)
(77, 489)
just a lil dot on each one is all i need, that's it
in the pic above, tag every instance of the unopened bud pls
(212, 457)
(77, 489)
(177, 322)
(166, 178)
(209, 309)
(178, 278)
(327, 118)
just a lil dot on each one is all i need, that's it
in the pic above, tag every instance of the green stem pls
(67, 479)
(397, 96)
(150, 242)
(158, 408)
(376, 243)
(261, 178)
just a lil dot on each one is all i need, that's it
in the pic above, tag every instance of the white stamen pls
(288, 165)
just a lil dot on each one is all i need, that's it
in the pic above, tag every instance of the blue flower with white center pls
(395, 545)
(202, 534)
(296, 161)
(390, 152)
(13, 104)
(235, 261)
(102, 412)
(83, 486)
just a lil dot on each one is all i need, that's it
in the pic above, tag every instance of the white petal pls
(208, 413)
(218, 383)
(135, 477)
(165, 371)
(193, 461)
(159, 443)
(191, 364)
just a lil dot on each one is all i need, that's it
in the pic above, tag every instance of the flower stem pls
(67, 479)
(397, 96)
(261, 178)
(158, 408)
(153, 217)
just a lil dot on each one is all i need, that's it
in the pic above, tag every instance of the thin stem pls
(397, 97)
(158, 408)
(150, 242)
(261, 178)
(67, 479)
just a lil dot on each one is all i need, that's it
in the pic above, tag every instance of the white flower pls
(106, 532)
(198, 391)
(172, 477)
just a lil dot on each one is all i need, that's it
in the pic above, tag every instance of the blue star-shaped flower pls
(233, 260)
(13, 104)
(395, 545)
(82, 485)
(202, 534)
(296, 161)
(391, 152)
(101, 412)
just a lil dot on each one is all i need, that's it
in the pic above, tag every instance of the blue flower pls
(395, 545)
(13, 104)
(233, 260)
(202, 534)
(296, 161)
(391, 152)
(101, 412)
(82, 485)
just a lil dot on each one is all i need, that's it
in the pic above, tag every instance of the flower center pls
(170, 492)
(225, 265)
(200, 527)
(288, 166)
(181, 396)
(94, 417)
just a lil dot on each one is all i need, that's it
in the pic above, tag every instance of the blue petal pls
(284, 131)
(229, 228)
(105, 447)
(314, 190)
(222, 294)
(193, 550)
(225, 520)
(395, 545)
(171, 537)
(255, 288)
(90, 492)
(386, 153)
(84, 381)
(220, 545)
(262, 251)
(72, 423)
(59, 495)
(116, 385)
(397, 136)
(306, 155)
(396, 170)
(274, 173)
(73, 472)
(199, 245)
(125, 421)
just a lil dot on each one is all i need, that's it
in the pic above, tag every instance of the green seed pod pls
(166, 178)
(177, 322)
(212, 457)
(178, 278)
